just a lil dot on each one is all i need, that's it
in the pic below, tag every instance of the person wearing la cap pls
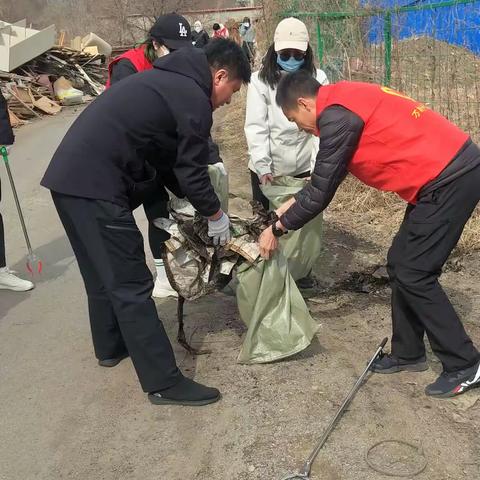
(8, 279)
(98, 176)
(169, 33)
(276, 147)
(394, 143)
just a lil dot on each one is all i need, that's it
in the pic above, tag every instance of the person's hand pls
(219, 228)
(268, 243)
(267, 178)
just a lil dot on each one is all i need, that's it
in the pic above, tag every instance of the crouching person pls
(98, 175)
(394, 143)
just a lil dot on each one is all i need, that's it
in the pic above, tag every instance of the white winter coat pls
(276, 145)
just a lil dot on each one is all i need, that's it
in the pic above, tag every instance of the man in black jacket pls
(98, 175)
(8, 280)
(164, 38)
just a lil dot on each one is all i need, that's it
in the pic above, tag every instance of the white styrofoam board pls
(18, 45)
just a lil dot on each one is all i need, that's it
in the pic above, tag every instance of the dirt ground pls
(63, 417)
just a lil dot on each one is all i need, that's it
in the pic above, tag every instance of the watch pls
(277, 232)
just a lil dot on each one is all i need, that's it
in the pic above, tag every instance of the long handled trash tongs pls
(33, 263)
(304, 474)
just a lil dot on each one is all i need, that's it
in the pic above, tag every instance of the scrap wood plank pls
(12, 91)
(14, 120)
(48, 106)
(97, 88)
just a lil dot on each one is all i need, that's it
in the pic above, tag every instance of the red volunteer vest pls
(222, 33)
(404, 145)
(136, 56)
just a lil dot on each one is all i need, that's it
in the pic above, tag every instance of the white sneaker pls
(9, 281)
(163, 289)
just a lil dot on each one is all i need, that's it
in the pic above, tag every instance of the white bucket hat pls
(291, 33)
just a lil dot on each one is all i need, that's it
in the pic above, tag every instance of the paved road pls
(63, 417)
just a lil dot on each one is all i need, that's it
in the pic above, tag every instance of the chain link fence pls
(426, 49)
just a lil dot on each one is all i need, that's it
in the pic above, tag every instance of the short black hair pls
(216, 26)
(223, 53)
(295, 85)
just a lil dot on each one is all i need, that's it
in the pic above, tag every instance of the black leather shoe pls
(112, 362)
(392, 364)
(186, 392)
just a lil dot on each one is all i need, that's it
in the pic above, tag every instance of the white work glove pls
(219, 230)
(221, 167)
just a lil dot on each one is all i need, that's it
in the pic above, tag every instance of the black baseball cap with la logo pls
(173, 31)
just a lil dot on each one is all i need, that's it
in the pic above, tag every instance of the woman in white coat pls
(276, 146)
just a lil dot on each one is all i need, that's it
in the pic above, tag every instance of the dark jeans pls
(3, 261)
(257, 192)
(429, 232)
(123, 317)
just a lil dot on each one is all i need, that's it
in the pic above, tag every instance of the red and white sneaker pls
(455, 383)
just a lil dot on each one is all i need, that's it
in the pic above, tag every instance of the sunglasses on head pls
(286, 55)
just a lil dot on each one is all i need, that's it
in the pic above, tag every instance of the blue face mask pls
(290, 65)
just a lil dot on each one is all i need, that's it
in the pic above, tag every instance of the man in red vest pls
(394, 143)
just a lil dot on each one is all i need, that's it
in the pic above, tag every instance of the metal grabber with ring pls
(34, 264)
(304, 474)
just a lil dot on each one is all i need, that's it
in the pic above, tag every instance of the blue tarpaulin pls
(457, 24)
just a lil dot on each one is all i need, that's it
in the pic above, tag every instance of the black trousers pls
(123, 318)
(257, 192)
(3, 261)
(156, 208)
(429, 232)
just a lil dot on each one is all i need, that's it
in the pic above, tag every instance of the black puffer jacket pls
(6, 132)
(340, 132)
(166, 110)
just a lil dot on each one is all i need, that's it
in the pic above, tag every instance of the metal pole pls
(387, 33)
(308, 464)
(320, 44)
(3, 152)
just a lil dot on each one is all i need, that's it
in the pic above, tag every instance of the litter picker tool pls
(304, 474)
(34, 265)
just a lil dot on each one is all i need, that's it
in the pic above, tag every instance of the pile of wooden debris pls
(60, 76)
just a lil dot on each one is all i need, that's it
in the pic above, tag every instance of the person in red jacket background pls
(394, 143)
(170, 32)
(220, 31)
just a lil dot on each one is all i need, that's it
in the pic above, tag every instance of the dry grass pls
(374, 214)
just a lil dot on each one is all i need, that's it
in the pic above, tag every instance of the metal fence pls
(428, 50)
